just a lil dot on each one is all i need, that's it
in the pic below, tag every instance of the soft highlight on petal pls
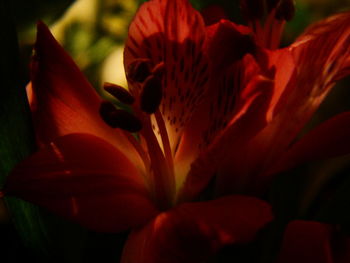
(62, 100)
(84, 179)
(193, 231)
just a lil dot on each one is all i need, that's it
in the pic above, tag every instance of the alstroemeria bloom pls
(90, 167)
(264, 140)
(311, 241)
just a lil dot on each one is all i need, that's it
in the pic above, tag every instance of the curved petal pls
(227, 43)
(62, 100)
(85, 179)
(174, 33)
(213, 13)
(321, 55)
(226, 46)
(332, 37)
(306, 242)
(227, 147)
(193, 231)
(329, 139)
(306, 87)
(229, 47)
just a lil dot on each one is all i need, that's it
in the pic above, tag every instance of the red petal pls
(63, 101)
(85, 179)
(306, 242)
(319, 57)
(282, 63)
(327, 140)
(228, 146)
(228, 43)
(174, 33)
(213, 14)
(193, 231)
(332, 37)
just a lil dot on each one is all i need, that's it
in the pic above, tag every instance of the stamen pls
(151, 94)
(139, 70)
(286, 10)
(117, 118)
(119, 93)
(163, 179)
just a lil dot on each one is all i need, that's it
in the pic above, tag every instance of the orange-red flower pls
(90, 167)
(205, 100)
(263, 100)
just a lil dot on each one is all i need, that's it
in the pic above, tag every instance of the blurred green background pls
(93, 33)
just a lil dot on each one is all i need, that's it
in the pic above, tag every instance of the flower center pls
(146, 118)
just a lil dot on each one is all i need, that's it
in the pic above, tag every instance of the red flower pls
(216, 100)
(264, 99)
(92, 170)
(310, 241)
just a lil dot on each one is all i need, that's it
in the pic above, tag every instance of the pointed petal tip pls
(42, 30)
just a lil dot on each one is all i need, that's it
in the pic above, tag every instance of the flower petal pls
(294, 104)
(306, 242)
(329, 139)
(228, 146)
(316, 71)
(193, 231)
(228, 49)
(332, 36)
(227, 43)
(174, 34)
(85, 179)
(213, 13)
(62, 100)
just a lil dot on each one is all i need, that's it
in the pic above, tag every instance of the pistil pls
(163, 179)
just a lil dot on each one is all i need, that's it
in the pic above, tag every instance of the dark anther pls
(139, 70)
(119, 93)
(117, 118)
(253, 9)
(151, 94)
(286, 10)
